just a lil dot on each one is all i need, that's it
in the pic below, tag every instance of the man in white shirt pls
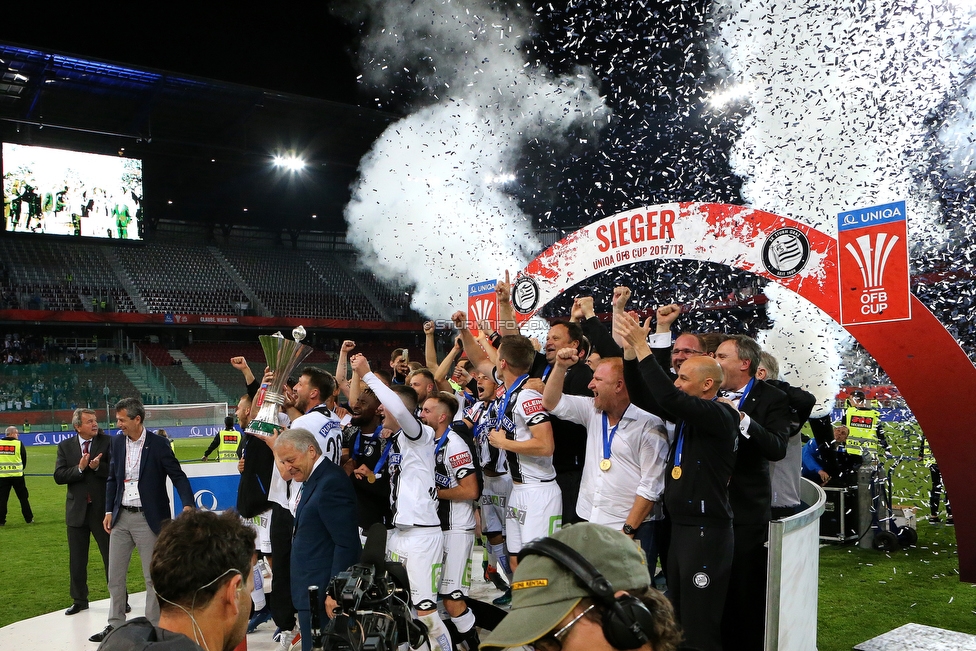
(626, 449)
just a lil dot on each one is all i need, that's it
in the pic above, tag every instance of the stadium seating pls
(193, 279)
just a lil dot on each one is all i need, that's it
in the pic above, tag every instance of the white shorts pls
(456, 574)
(261, 523)
(534, 511)
(494, 503)
(421, 550)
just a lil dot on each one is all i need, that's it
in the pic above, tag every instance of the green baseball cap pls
(544, 592)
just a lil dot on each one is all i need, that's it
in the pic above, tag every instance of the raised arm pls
(388, 398)
(474, 352)
(430, 348)
(551, 395)
(506, 315)
(446, 368)
(600, 338)
(341, 367)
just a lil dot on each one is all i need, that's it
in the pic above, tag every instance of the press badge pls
(131, 492)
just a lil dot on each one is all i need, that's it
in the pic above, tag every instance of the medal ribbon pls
(382, 461)
(608, 440)
(375, 435)
(745, 393)
(680, 446)
(516, 385)
(441, 442)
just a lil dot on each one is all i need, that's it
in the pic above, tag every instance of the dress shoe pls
(128, 608)
(75, 609)
(98, 637)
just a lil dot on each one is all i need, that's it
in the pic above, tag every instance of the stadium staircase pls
(257, 305)
(138, 379)
(215, 393)
(124, 280)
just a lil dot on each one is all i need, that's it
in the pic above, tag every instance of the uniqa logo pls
(872, 259)
(481, 309)
(206, 500)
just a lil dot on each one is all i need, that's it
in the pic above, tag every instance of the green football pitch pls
(862, 593)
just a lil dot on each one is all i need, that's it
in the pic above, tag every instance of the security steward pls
(587, 588)
(225, 442)
(863, 423)
(13, 463)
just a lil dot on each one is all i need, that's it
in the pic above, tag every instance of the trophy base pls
(262, 427)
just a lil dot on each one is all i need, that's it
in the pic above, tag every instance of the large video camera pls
(374, 604)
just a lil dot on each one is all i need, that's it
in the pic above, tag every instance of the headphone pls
(626, 620)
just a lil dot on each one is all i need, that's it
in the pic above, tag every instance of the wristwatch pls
(629, 530)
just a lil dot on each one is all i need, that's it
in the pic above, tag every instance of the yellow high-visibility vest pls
(227, 449)
(862, 425)
(11, 461)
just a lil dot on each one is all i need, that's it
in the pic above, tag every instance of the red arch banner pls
(922, 359)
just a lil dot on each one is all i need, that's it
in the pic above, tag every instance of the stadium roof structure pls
(207, 145)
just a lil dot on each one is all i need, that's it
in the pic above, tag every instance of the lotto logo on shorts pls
(515, 514)
(459, 460)
(533, 406)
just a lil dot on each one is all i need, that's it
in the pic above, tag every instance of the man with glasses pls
(555, 608)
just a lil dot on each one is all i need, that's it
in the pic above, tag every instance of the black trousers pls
(282, 609)
(744, 619)
(79, 543)
(569, 484)
(20, 488)
(699, 563)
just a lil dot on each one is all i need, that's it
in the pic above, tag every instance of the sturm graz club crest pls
(785, 252)
(525, 295)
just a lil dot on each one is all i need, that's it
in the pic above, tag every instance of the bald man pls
(696, 490)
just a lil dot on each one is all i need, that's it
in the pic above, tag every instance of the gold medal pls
(676, 472)
(605, 464)
(370, 477)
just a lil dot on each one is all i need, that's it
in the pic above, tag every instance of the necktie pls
(85, 447)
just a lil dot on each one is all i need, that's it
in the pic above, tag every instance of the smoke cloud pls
(430, 208)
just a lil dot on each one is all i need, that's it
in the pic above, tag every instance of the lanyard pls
(516, 385)
(745, 393)
(546, 372)
(441, 442)
(608, 440)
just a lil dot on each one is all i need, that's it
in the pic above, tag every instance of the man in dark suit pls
(764, 431)
(82, 465)
(326, 536)
(136, 504)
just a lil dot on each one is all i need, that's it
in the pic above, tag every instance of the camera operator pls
(202, 570)
(587, 588)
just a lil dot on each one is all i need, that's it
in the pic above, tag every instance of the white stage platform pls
(58, 632)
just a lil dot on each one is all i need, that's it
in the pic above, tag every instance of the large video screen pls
(61, 192)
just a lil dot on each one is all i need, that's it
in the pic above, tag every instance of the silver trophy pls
(282, 355)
